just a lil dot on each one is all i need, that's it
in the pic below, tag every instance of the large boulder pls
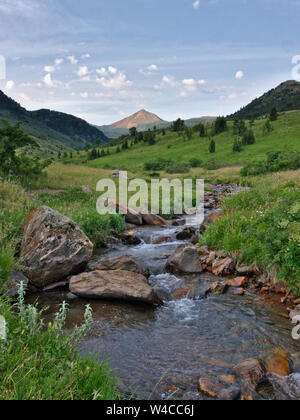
(53, 247)
(124, 263)
(120, 285)
(184, 260)
(153, 219)
(252, 372)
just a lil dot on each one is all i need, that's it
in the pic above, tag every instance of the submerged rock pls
(215, 389)
(186, 234)
(53, 247)
(252, 372)
(120, 285)
(184, 260)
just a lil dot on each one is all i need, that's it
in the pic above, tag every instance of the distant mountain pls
(144, 120)
(50, 126)
(286, 97)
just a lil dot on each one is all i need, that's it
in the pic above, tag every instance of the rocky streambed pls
(195, 327)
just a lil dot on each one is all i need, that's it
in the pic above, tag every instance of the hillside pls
(285, 134)
(55, 129)
(286, 97)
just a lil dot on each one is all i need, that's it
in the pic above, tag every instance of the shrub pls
(195, 163)
(275, 162)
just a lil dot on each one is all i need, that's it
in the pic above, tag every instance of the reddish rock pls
(183, 293)
(162, 240)
(278, 365)
(223, 267)
(238, 282)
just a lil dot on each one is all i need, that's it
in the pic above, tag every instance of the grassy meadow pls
(285, 135)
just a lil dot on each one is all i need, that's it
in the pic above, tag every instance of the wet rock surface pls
(184, 260)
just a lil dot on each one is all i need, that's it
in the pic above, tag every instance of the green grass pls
(285, 135)
(42, 363)
(262, 227)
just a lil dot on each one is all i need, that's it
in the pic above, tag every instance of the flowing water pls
(176, 344)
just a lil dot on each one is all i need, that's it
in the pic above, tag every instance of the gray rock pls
(53, 247)
(120, 285)
(124, 263)
(184, 260)
(14, 284)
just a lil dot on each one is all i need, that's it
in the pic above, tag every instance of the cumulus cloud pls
(117, 81)
(192, 85)
(72, 59)
(239, 75)
(153, 67)
(82, 71)
(48, 80)
(84, 95)
(112, 70)
(85, 56)
(10, 85)
(102, 71)
(59, 61)
(167, 81)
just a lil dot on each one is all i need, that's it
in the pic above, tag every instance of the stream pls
(153, 350)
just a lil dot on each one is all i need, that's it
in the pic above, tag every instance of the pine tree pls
(237, 146)
(212, 146)
(273, 114)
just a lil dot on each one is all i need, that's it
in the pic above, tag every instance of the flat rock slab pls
(120, 285)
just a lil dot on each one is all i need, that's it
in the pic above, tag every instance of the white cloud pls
(85, 56)
(112, 70)
(167, 81)
(49, 69)
(153, 67)
(84, 95)
(25, 7)
(83, 71)
(48, 80)
(239, 75)
(72, 59)
(10, 85)
(59, 61)
(192, 85)
(102, 71)
(118, 81)
(196, 4)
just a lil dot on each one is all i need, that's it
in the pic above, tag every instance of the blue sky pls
(105, 59)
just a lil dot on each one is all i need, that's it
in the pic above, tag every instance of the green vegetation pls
(286, 97)
(275, 162)
(50, 126)
(262, 226)
(41, 363)
(12, 138)
(37, 362)
(173, 145)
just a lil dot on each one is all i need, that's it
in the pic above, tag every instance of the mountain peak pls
(140, 118)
